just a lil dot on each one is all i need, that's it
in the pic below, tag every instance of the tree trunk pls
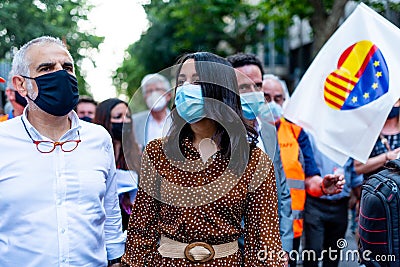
(324, 24)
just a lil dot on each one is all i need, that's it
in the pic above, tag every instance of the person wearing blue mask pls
(197, 183)
(58, 198)
(249, 75)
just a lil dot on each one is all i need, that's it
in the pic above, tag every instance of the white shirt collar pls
(75, 126)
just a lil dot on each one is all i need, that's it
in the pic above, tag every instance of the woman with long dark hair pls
(199, 182)
(114, 115)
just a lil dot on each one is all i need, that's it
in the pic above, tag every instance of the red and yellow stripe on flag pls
(351, 65)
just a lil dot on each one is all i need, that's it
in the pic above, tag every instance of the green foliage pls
(23, 20)
(129, 75)
(181, 26)
(222, 27)
(386, 8)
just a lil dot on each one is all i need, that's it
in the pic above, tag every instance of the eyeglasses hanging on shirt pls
(49, 146)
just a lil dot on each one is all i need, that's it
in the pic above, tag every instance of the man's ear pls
(19, 84)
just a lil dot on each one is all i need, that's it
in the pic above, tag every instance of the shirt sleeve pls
(310, 168)
(115, 239)
(262, 245)
(142, 236)
(356, 179)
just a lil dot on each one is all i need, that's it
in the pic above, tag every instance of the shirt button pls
(62, 230)
(64, 260)
(59, 202)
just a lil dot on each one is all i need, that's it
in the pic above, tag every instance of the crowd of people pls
(212, 174)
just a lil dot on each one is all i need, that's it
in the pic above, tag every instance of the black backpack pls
(379, 218)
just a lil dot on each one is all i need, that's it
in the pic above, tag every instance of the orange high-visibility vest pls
(288, 134)
(3, 117)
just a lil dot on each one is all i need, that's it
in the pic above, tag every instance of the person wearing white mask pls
(154, 122)
(283, 96)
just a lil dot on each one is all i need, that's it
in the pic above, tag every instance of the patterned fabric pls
(217, 221)
(380, 148)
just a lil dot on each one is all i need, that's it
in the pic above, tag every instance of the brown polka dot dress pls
(196, 201)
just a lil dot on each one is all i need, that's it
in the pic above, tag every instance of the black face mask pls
(58, 92)
(116, 129)
(20, 100)
(394, 113)
(86, 118)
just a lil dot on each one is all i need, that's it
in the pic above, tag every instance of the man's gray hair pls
(154, 78)
(282, 82)
(20, 64)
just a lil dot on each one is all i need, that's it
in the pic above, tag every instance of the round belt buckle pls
(199, 244)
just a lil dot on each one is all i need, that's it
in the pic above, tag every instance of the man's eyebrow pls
(48, 64)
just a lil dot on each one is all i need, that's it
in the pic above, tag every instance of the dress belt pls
(196, 251)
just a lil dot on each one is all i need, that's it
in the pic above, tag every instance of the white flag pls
(346, 94)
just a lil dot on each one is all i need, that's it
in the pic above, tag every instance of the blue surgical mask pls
(271, 112)
(251, 103)
(58, 92)
(189, 102)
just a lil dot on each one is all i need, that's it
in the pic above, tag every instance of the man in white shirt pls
(58, 198)
(154, 122)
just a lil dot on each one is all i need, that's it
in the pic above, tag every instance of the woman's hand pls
(392, 154)
(126, 203)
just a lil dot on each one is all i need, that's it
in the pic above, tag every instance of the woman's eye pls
(181, 82)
